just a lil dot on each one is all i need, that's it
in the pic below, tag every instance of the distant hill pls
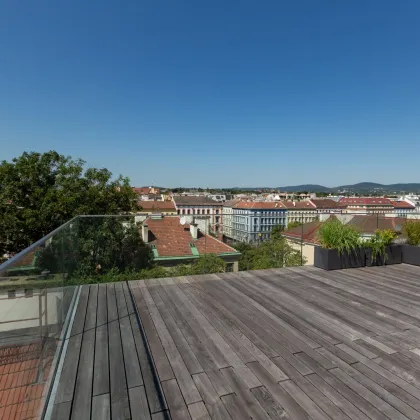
(360, 187)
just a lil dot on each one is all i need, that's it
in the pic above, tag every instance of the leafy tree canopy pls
(41, 191)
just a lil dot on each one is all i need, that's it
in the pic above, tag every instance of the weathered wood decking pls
(297, 343)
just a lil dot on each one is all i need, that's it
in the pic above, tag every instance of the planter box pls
(329, 259)
(393, 256)
(411, 254)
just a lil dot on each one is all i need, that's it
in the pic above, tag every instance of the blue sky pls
(216, 93)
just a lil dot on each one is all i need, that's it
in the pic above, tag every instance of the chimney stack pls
(194, 230)
(145, 233)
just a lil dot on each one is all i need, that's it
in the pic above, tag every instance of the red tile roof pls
(402, 205)
(157, 206)
(298, 205)
(20, 390)
(366, 201)
(263, 205)
(172, 239)
(326, 203)
(142, 191)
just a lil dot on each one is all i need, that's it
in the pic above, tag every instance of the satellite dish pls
(183, 221)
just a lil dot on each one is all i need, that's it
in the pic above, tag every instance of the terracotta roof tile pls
(263, 205)
(298, 205)
(402, 205)
(366, 201)
(326, 203)
(172, 239)
(157, 206)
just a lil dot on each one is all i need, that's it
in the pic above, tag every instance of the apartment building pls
(254, 221)
(228, 218)
(367, 205)
(164, 207)
(299, 211)
(200, 205)
(403, 208)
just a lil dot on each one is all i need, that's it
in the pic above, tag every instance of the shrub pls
(336, 235)
(379, 242)
(412, 230)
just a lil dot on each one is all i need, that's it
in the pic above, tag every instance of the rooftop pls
(157, 206)
(297, 343)
(259, 205)
(366, 201)
(172, 239)
(195, 201)
(402, 205)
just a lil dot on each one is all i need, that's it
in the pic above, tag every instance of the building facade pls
(228, 218)
(367, 205)
(254, 221)
(299, 211)
(403, 208)
(200, 206)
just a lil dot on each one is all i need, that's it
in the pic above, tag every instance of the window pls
(198, 211)
(188, 211)
(217, 211)
(255, 221)
(179, 211)
(183, 211)
(208, 211)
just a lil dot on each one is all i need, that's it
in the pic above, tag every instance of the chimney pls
(145, 233)
(294, 204)
(194, 230)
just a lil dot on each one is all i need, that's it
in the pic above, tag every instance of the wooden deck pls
(297, 343)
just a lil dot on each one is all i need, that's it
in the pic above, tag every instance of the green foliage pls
(274, 253)
(292, 225)
(40, 192)
(412, 230)
(207, 264)
(336, 235)
(95, 246)
(379, 242)
(276, 232)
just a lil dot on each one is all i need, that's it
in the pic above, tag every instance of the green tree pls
(276, 232)
(39, 192)
(292, 225)
(276, 253)
(95, 246)
(207, 264)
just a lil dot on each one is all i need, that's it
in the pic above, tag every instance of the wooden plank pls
(138, 403)
(131, 360)
(120, 407)
(198, 411)
(266, 400)
(362, 404)
(82, 399)
(156, 401)
(128, 299)
(184, 379)
(235, 407)
(176, 403)
(67, 382)
(283, 398)
(90, 321)
(181, 343)
(159, 356)
(101, 408)
(312, 392)
(211, 398)
(338, 399)
(162, 415)
(121, 303)
(61, 411)
(377, 402)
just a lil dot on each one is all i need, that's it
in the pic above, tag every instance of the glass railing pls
(38, 287)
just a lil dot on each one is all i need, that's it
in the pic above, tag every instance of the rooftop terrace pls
(296, 343)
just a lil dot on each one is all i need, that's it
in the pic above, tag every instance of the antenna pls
(183, 220)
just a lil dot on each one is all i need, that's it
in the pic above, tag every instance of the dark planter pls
(330, 259)
(411, 254)
(393, 256)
